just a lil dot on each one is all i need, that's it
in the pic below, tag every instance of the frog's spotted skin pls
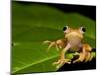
(72, 40)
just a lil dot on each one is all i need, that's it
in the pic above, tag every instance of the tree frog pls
(73, 40)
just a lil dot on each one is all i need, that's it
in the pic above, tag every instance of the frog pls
(73, 40)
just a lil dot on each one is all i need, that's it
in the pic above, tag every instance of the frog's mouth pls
(73, 35)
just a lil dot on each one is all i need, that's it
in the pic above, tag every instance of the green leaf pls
(31, 25)
(94, 54)
(70, 55)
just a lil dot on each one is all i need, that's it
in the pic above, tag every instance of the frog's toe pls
(68, 61)
(59, 65)
(56, 62)
(77, 60)
(80, 59)
(61, 62)
(87, 57)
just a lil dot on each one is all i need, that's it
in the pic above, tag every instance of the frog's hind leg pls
(85, 55)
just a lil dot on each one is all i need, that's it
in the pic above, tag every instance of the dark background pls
(86, 10)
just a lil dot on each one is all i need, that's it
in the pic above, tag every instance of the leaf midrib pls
(37, 62)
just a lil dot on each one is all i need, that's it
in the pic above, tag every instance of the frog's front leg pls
(62, 59)
(58, 44)
(51, 43)
(85, 55)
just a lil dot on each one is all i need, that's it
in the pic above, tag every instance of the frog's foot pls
(89, 57)
(51, 44)
(80, 59)
(61, 62)
(84, 57)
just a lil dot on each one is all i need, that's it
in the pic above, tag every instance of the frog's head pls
(74, 35)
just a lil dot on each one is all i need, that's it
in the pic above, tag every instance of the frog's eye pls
(65, 28)
(83, 30)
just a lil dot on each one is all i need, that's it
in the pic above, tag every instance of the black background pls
(86, 10)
